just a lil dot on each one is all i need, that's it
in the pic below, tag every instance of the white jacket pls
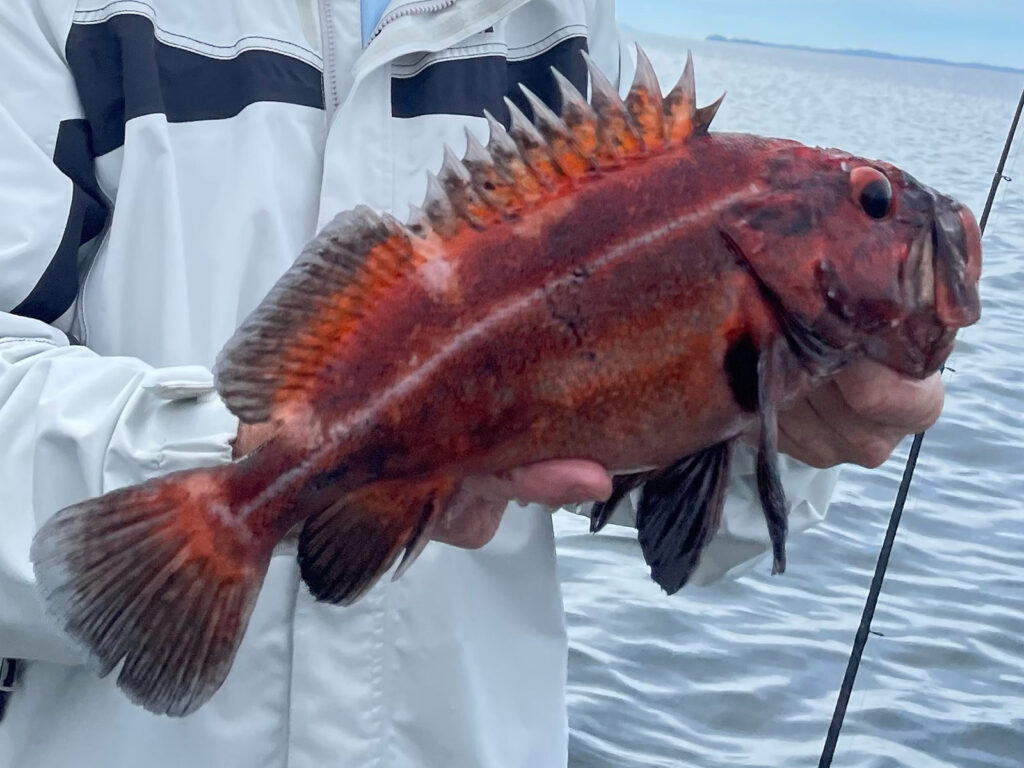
(161, 164)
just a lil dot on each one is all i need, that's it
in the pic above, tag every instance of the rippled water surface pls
(746, 673)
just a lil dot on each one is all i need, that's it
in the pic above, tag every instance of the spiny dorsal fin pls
(563, 148)
(438, 207)
(617, 130)
(644, 103)
(682, 117)
(581, 120)
(530, 160)
(457, 183)
(532, 147)
(316, 302)
(495, 188)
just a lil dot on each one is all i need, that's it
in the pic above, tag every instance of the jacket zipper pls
(327, 43)
(410, 9)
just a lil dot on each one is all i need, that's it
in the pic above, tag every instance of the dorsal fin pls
(581, 119)
(563, 148)
(644, 103)
(532, 147)
(438, 207)
(682, 118)
(457, 183)
(618, 133)
(509, 162)
(496, 188)
(271, 355)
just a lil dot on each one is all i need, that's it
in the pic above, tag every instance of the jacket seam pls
(173, 39)
(476, 51)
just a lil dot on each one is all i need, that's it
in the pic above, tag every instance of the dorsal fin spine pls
(458, 185)
(644, 103)
(510, 163)
(617, 130)
(532, 147)
(439, 208)
(559, 138)
(579, 117)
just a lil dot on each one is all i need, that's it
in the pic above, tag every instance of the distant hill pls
(866, 53)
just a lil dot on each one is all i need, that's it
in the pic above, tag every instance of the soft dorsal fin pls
(322, 295)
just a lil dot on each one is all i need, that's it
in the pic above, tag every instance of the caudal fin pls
(162, 576)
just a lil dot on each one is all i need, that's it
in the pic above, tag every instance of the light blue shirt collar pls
(370, 14)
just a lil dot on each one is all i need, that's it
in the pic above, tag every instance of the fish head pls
(861, 255)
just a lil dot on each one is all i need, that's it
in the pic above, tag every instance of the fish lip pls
(957, 264)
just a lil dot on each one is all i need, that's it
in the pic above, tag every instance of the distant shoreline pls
(866, 53)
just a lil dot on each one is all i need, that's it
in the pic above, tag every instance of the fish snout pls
(957, 266)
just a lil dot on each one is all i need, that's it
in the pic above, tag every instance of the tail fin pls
(162, 576)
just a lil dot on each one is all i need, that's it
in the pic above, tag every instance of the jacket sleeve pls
(73, 424)
(743, 536)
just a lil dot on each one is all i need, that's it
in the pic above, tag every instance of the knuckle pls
(873, 451)
(869, 401)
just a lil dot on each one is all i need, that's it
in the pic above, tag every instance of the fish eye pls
(871, 190)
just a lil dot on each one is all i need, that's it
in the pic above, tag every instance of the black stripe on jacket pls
(469, 86)
(57, 288)
(123, 71)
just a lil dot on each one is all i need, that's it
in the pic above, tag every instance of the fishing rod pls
(864, 629)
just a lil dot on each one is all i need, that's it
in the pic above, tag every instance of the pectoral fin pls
(601, 511)
(679, 512)
(769, 485)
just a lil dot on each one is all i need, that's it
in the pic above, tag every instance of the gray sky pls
(985, 31)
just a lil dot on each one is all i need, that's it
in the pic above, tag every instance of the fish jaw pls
(941, 274)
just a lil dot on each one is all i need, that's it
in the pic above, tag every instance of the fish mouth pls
(957, 246)
(940, 289)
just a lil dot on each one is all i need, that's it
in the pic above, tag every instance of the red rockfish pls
(613, 283)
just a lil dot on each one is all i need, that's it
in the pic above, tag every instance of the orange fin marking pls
(644, 103)
(510, 163)
(618, 133)
(497, 189)
(581, 120)
(532, 147)
(682, 118)
(563, 148)
(273, 357)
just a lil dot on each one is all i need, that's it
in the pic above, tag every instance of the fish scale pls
(613, 283)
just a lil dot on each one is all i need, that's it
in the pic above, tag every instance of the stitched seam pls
(480, 51)
(80, 17)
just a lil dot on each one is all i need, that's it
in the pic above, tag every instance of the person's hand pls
(472, 517)
(473, 514)
(859, 417)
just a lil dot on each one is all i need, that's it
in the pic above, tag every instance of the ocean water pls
(746, 673)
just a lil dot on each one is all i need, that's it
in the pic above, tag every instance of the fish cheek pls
(791, 219)
(740, 364)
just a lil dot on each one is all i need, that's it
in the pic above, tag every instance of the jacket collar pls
(409, 26)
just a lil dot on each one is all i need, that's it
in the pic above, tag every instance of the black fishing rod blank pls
(861, 638)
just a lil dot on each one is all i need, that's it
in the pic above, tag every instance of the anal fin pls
(347, 547)
(679, 512)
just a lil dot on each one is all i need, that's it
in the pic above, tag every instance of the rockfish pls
(611, 283)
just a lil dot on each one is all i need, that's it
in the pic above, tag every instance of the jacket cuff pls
(176, 420)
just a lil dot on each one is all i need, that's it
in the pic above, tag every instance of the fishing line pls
(864, 629)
